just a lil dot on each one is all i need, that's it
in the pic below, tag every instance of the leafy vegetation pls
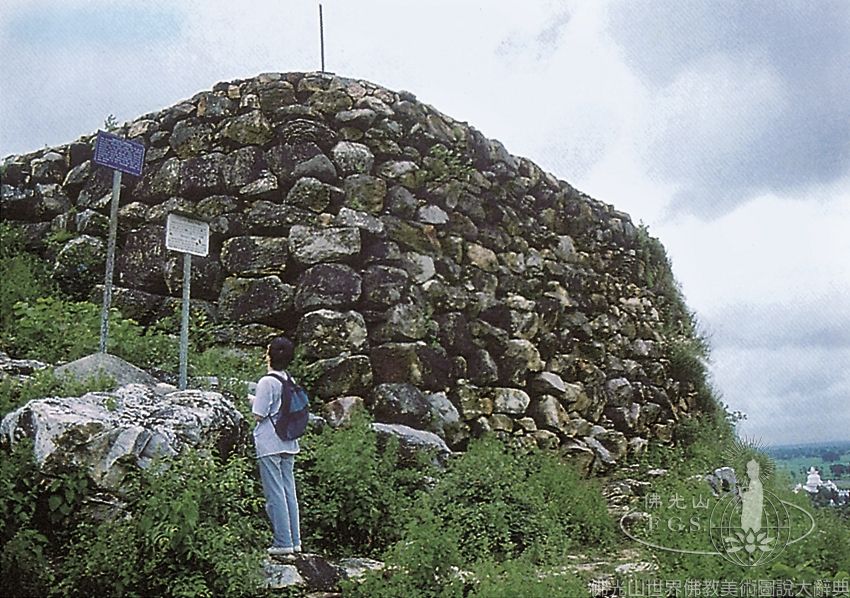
(24, 276)
(684, 516)
(445, 164)
(658, 274)
(492, 520)
(494, 523)
(56, 330)
(355, 497)
(45, 383)
(192, 528)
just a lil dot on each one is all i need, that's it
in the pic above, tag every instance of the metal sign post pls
(190, 237)
(121, 156)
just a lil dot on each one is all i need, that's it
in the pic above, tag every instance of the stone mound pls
(398, 246)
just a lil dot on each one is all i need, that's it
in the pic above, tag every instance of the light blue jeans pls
(276, 473)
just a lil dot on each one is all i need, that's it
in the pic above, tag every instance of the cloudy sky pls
(724, 126)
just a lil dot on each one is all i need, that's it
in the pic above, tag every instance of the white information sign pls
(187, 236)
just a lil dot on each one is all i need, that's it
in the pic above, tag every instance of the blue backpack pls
(291, 421)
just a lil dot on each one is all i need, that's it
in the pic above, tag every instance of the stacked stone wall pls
(450, 285)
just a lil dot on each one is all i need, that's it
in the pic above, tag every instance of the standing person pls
(276, 457)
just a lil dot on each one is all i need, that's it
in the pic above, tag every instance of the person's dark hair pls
(280, 352)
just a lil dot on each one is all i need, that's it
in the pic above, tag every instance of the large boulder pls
(472, 401)
(106, 434)
(17, 203)
(207, 276)
(383, 286)
(340, 376)
(137, 305)
(251, 128)
(352, 158)
(309, 193)
(122, 372)
(403, 404)
(365, 193)
(309, 245)
(202, 176)
(520, 357)
(243, 166)
(549, 414)
(262, 300)
(412, 441)
(326, 333)
(79, 265)
(18, 368)
(416, 363)
(254, 255)
(327, 285)
(511, 401)
(140, 264)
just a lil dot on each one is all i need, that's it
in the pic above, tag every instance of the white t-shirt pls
(267, 402)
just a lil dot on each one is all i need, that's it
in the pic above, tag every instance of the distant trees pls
(839, 470)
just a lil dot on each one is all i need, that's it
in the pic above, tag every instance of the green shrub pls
(688, 358)
(193, 526)
(826, 552)
(502, 504)
(491, 522)
(45, 383)
(232, 368)
(823, 555)
(55, 330)
(426, 563)
(523, 578)
(18, 490)
(658, 276)
(201, 329)
(25, 277)
(301, 370)
(194, 530)
(24, 566)
(32, 507)
(354, 497)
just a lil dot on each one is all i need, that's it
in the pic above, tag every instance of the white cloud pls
(787, 395)
(768, 249)
(710, 114)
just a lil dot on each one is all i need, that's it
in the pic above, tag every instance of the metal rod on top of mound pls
(120, 155)
(189, 237)
(322, 36)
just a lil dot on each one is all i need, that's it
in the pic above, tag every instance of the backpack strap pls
(286, 397)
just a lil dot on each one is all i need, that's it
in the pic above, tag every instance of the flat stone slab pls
(307, 569)
(121, 371)
(19, 367)
(280, 575)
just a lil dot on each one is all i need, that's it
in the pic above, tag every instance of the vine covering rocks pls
(424, 270)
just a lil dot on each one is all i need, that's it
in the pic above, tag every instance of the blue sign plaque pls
(119, 154)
